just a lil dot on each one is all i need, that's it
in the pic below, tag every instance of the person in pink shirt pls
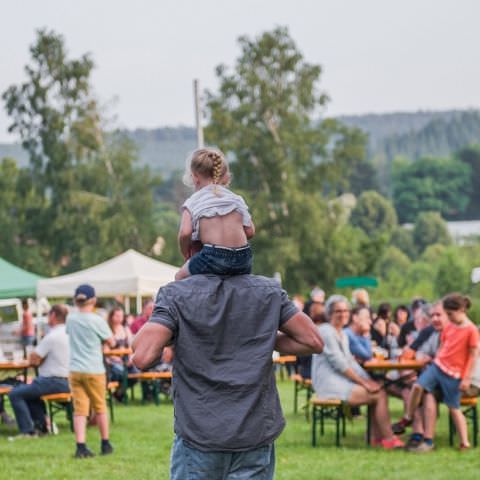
(140, 321)
(451, 370)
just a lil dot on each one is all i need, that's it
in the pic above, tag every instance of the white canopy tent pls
(131, 274)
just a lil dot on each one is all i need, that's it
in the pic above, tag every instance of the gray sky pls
(377, 55)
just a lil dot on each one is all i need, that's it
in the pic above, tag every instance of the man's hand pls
(465, 384)
(371, 386)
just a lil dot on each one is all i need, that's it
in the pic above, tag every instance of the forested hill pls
(418, 134)
(412, 135)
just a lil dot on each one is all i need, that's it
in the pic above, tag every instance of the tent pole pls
(139, 303)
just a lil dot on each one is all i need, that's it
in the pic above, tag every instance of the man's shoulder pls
(212, 282)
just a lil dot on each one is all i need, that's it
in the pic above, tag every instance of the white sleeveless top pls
(214, 200)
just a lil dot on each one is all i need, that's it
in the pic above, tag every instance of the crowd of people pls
(438, 334)
(224, 325)
(69, 359)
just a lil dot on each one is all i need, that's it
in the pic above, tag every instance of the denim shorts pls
(433, 378)
(221, 261)
(189, 463)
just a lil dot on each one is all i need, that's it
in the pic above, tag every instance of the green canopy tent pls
(16, 282)
(356, 282)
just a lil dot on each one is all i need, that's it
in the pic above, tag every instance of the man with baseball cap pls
(87, 333)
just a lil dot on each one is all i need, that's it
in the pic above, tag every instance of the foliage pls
(402, 238)
(87, 200)
(392, 261)
(430, 184)
(430, 229)
(374, 214)
(471, 157)
(452, 274)
(261, 116)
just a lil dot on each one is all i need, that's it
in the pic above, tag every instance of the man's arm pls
(35, 360)
(300, 336)
(149, 343)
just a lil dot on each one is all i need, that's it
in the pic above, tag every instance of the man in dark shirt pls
(227, 408)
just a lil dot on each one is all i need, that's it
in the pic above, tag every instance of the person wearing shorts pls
(452, 367)
(87, 333)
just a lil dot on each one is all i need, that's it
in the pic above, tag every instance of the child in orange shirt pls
(451, 369)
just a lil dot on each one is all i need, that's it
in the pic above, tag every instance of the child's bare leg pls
(80, 426)
(414, 400)
(429, 415)
(460, 425)
(102, 421)
(183, 272)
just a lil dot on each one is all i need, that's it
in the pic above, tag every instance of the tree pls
(452, 274)
(92, 201)
(402, 238)
(471, 156)
(430, 184)
(374, 214)
(430, 229)
(262, 117)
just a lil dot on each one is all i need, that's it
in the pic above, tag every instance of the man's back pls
(224, 331)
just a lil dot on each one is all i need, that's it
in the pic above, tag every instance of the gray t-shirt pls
(224, 331)
(87, 332)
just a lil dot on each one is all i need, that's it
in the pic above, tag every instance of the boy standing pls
(87, 333)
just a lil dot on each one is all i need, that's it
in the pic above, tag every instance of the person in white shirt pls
(51, 357)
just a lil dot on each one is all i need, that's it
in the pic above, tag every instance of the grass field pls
(142, 436)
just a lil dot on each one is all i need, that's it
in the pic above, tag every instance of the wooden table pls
(124, 354)
(15, 367)
(386, 365)
(285, 359)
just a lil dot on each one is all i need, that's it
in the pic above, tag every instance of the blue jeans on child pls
(28, 408)
(433, 377)
(188, 462)
(220, 260)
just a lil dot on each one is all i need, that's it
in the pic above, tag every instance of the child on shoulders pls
(215, 225)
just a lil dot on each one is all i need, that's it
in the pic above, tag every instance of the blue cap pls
(84, 292)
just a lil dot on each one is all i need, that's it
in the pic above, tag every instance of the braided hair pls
(209, 163)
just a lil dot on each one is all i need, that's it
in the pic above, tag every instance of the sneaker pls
(83, 453)
(399, 427)
(414, 442)
(422, 447)
(392, 443)
(106, 448)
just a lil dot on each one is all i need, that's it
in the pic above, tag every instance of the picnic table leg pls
(369, 424)
(337, 426)
(314, 426)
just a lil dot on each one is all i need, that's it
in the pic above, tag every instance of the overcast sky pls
(377, 55)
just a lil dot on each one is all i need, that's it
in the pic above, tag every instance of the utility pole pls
(198, 113)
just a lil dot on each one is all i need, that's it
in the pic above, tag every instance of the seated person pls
(51, 357)
(358, 333)
(123, 339)
(337, 375)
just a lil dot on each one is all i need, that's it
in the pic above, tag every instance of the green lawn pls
(142, 435)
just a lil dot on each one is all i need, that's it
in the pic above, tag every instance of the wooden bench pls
(111, 387)
(325, 409)
(59, 402)
(299, 384)
(469, 409)
(151, 378)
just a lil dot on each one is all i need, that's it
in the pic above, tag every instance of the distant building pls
(460, 231)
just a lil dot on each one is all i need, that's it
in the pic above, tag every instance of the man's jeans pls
(28, 408)
(192, 464)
